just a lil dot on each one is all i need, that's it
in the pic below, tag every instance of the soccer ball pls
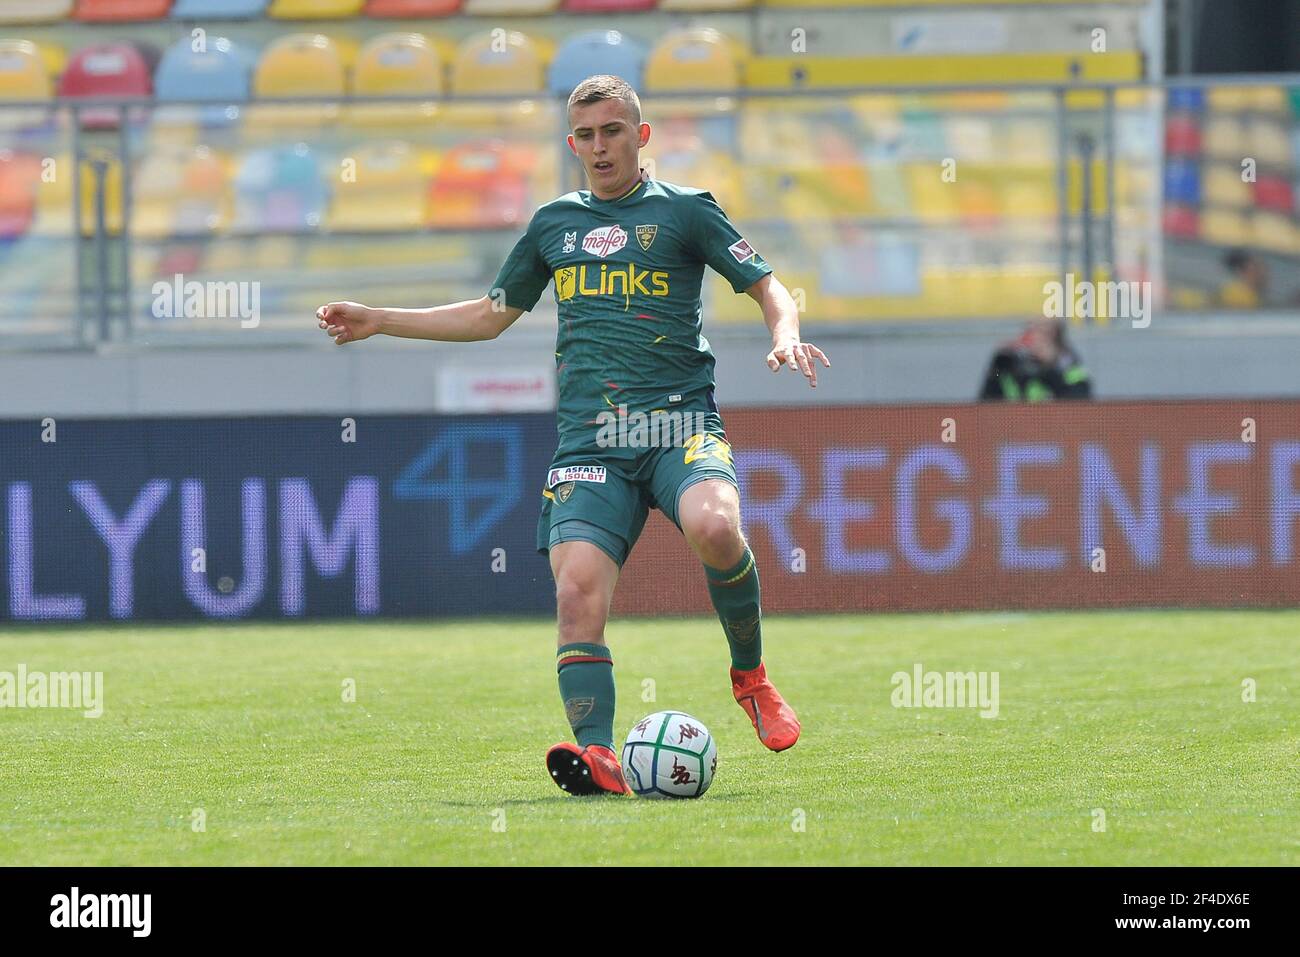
(669, 755)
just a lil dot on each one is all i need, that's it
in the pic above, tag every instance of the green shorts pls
(605, 499)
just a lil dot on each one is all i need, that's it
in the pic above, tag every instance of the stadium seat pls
(522, 8)
(1187, 99)
(219, 9)
(101, 11)
(1223, 137)
(23, 75)
(1223, 186)
(606, 6)
(20, 177)
(221, 73)
(107, 69)
(279, 189)
(481, 185)
(1274, 193)
(693, 59)
(1275, 232)
(1228, 99)
(1181, 221)
(314, 9)
(703, 6)
(389, 191)
(411, 8)
(396, 64)
(485, 66)
(594, 52)
(1224, 228)
(180, 193)
(1267, 141)
(301, 65)
(34, 11)
(1182, 136)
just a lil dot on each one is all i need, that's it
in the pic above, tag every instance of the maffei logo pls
(604, 241)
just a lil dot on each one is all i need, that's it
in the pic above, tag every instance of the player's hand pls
(799, 356)
(346, 322)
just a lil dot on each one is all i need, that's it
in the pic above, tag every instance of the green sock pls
(735, 597)
(587, 687)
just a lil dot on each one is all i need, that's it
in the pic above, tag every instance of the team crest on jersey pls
(570, 241)
(604, 241)
(575, 473)
(741, 251)
(645, 235)
(562, 492)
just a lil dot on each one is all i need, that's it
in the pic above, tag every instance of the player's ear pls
(572, 146)
(644, 136)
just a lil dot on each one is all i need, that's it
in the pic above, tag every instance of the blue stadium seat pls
(1188, 100)
(221, 73)
(594, 52)
(279, 189)
(1182, 182)
(219, 9)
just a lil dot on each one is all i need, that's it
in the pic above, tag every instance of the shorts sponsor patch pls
(741, 251)
(604, 241)
(575, 473)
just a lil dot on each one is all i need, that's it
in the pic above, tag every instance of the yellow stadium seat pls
(705, 6)
(388, 191)
(933, 200)
(1275, 232)
(314, 9)
(307, 65)
(396, 64)
(1027, 193)
(1224, 137)
(493, 63)
(1270, 99)
(1224, 227)
(1222, 186)
(34, 11)
(1268, 142)
(181, 192)
(23, 74)
(694, 59)
(522, 8)
(1228, 99)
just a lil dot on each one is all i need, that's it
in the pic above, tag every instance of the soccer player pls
(627, 257)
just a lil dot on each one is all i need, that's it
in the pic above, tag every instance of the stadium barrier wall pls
(848, 508)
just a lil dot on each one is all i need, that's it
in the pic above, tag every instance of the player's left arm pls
(782, 318)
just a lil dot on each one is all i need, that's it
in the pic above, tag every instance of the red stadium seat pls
(1181, 221)
(109, 10)
(411, 8)
(106, 69)
(19, 176)
(481, 185)
(1182, 136)
(1275, 193)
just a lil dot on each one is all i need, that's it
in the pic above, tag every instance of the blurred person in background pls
(1247, 283)
(1038, 365)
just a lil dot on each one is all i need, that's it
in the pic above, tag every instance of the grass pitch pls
(244, 729)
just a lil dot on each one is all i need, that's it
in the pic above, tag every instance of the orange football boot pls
(773, 719)
(590, 770)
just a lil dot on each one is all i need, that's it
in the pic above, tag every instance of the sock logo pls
(575, 709)
(743, 631)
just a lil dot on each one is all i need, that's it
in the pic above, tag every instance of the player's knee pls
(579, 599)
(716, 538)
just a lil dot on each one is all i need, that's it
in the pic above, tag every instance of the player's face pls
(608, 143)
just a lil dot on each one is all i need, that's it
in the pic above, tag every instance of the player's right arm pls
(518, 286)
(473, 320)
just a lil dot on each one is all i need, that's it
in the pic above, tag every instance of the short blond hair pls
(607, 87)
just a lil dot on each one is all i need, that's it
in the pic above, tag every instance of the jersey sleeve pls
(719, 244)
(524, 275)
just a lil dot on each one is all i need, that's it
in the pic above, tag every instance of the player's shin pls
(735, 595)
(586, 674)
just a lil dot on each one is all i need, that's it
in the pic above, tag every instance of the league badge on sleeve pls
(741, 251)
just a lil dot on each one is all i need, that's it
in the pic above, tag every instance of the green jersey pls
(627, 278)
